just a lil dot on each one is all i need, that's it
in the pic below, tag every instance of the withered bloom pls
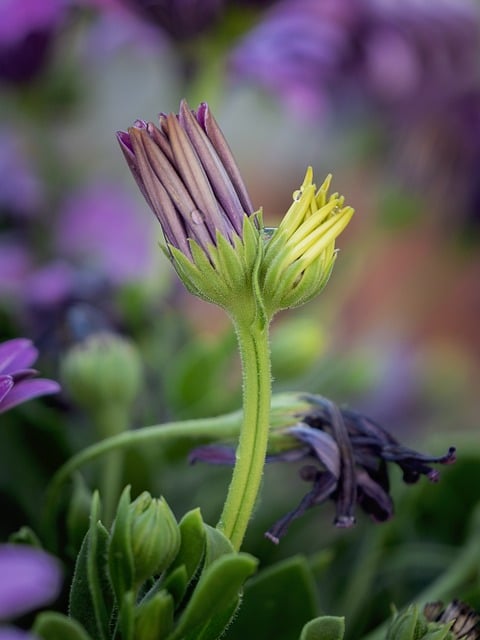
(465, 620)
(348, 455)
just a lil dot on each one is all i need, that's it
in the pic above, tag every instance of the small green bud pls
(411, 625)
(155, 536)
(103, 370)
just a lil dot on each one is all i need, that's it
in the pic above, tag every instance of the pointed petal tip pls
(271, 537)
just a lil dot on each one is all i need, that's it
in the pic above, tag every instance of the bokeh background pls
(383, 94)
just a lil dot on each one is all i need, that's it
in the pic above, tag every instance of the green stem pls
(194, 432)
(111, 421)
(252, 445)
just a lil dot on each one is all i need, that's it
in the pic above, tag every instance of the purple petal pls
(18, 353)
(6, 384)
(28, 389)
(323, 445)
(213, 454)
(11, 633)
(29, 578)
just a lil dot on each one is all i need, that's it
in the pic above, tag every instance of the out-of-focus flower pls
(298, 52)
(349, 454)
(409, 55)
(17, 381)
(27, 29)
(98, 226)
(465, 621)
(29, 578)
(21, 192)
(181, 19)
(188, 176)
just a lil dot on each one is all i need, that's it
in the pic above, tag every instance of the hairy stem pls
(252, 445)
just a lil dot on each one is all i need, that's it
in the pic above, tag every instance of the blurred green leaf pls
(51, 625)
(216, 545)
(192, 544)
(176, 584)
(277, 602)
(214, 595)
(324, 628)
(154, 617)
(120, 558)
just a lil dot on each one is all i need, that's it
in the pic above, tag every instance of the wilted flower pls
(465, 621)
(17, 383)
(188, 176)
(349, 454)
(29, 578)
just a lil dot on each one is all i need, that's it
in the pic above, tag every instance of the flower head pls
(299, 256)
(188, 176)
(347, 456)
(17, 383)
(29, 578)
(465, 621)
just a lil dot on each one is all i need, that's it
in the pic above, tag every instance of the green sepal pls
(277, 602)
(192, 543)
(90, 590)
(25, 535)
(51, 625)
(126, 616)
(216, 545)
(120, 556)
(176, 583)
(154, 617)
(219, 585)
(252, 239)
(324, 628)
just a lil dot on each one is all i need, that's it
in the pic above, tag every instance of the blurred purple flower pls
(312, 53)
(16, 377)
(27, 28)
(20, 187)
(99, 226)
(349, 453)
(29, 579)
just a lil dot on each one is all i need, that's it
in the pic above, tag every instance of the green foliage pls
(324, 628)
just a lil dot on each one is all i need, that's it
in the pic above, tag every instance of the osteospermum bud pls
(105, 369)
(300, 254)
(188, 176)
(155, 536)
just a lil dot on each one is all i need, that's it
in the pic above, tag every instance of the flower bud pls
(155, 536)
(103, 370)
(300, 254)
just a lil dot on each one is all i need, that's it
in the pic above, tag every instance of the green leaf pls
(51, 625)
(218, 623)
(277, 602)
(90, 588)
(217, 545)
(219, 585)
(176, 584)
(192, 543)
(324, 628)
(120, 557)
(126, 616)
(154, 617)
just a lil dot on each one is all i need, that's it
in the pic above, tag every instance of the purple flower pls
(347, 454)
(27, 28)
(17, 383)
(29, 579)
(464, 621)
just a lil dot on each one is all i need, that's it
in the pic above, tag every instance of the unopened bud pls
(155, 536)
(103, 370)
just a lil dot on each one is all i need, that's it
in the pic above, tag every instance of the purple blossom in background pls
(10, 633)
(311, 53)
(29, 579)
(27, 29)
(21, 192)
(17, 382)
(99, 226)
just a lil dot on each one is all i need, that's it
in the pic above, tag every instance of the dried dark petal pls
(213, 454)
